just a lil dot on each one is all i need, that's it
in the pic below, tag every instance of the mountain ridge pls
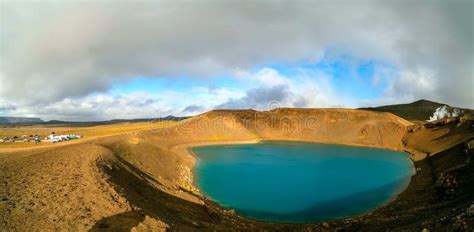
(16, 120)
(420, 110)
(34, 120)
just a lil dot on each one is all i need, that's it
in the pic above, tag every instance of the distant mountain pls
(25, 120)
(167, 118)
(418, 110)
(19, 120)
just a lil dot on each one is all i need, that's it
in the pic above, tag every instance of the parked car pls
(74, 136)
(59, 138)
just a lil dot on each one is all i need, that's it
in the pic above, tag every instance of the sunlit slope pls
(142, 172)
(341, 126)
(88, 132)
(207, 127)
(429, 141)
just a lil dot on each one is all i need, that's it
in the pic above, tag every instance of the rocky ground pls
(143, 180)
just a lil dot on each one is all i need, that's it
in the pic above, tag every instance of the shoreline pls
(187, 150)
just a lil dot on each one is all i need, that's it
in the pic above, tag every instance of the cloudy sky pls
(97, 60)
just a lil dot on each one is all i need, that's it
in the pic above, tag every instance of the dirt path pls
(60, 189)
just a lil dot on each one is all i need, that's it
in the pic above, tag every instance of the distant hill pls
(113, 121)
(25, 120)
(418, 110)
(19, 120)
(167, 118)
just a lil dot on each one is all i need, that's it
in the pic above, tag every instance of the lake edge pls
(408, 180)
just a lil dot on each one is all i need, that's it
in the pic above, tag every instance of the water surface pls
(300, 182)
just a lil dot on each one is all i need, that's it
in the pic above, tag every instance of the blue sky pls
(349, 76)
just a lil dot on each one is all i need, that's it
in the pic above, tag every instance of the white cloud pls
(420, 82)
(305, 88)
(102, 107)
(50, 52)
(265, 76)
(106, 106)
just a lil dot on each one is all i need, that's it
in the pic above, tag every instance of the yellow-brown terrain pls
(138, 176)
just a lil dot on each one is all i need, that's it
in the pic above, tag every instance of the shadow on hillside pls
(419, 202)
(137, 188)
(119, 222)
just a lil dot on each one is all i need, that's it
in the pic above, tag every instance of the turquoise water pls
(300, 182)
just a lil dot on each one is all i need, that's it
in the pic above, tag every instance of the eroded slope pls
(143, 180)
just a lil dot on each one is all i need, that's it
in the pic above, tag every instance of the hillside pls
(142, 178)
(419, 110)
(341, 126)
(19, 120)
